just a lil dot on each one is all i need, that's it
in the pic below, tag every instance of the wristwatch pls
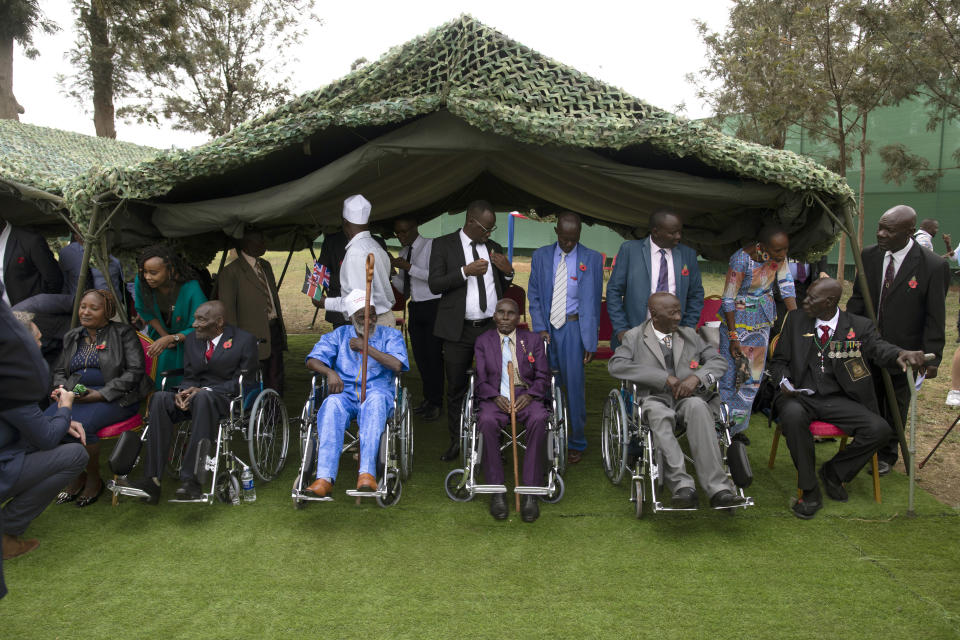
(177, 337)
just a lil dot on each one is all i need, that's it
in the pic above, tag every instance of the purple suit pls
(534, 416)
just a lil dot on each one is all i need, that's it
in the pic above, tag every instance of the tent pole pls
(85, 264)
(287, 263)
(316, 311)
(121, 302)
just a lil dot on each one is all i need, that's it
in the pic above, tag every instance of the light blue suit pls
(569, 342)
(629, 287)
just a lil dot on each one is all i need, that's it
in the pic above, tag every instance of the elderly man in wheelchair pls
(216, 354)
(674, 371)
(338, 356)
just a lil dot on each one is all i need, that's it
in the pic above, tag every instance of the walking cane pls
(366, 341)
(513, 432)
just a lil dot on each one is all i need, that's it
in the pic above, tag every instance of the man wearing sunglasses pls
(470, 273)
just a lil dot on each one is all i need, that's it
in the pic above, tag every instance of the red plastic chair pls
(605, 333)
(518, 295)
(711, 307)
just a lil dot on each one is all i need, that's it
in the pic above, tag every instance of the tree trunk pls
(842, 146)
(863, 178)
(9, 107)
(101, 71)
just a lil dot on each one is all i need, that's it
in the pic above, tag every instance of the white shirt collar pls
(655, 248)
(250, 259)
(660, 335)
(359, 236)
(465, 239)
(832, 322)
(216, 340)
(901, 253)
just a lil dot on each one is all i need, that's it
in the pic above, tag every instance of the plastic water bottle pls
(246, 480)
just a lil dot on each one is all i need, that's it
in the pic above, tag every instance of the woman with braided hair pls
(106, 358)
(165, 295)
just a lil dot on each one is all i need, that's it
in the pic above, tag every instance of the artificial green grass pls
(429, 567)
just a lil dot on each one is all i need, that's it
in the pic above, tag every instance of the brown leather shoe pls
(320, 487)
(14, 546)
(574, 456)
(367, 482)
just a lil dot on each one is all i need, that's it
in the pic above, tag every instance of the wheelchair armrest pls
(171, 372)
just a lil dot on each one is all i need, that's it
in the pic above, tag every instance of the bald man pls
(214, 356)
(908, 286)
(829, 352)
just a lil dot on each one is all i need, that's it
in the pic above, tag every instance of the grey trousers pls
(696, 415)
(44, 475)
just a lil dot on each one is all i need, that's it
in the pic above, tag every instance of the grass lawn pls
(429, 567)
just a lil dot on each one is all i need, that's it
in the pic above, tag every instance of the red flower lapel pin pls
(20, 260)
(228, 343)
(913, 282)
(101, 346)
(583, 267)
(685, 271)
(694, 364)
(851, 334)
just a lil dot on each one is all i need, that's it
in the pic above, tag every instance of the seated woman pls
(166, 296)
(107, 359)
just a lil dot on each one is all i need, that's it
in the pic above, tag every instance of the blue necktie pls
(505, 357)
(663, 278)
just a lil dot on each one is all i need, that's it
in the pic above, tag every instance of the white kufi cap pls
(354, 302)
(356, 209)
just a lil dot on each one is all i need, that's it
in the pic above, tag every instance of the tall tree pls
(19, 19)
(223, 63)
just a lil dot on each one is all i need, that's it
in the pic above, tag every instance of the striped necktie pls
(558, 307)
(505, 357)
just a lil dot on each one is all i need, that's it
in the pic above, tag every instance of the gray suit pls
(643, 360)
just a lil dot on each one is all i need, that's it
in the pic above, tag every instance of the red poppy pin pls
(530, 358)
(101, 346)
(850, 334)
(685, 271)
(228, 344)
(694, 364)
(178, 319)
(20, 260)
(583, 267)
(913, 282)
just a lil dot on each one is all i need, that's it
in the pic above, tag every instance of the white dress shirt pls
(897, 258)
(4, 237)
(353, 274)
(418, 255)
(832, 323)
(473, 311)
(655, 268)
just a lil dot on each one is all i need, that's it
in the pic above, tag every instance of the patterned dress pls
(748, 292)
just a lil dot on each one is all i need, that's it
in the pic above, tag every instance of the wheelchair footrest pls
(658, 506)
(120, 490)
(532, 491)
(356, 493)
(748, 503)
(203, 499)
(489, 488)
(309, 497)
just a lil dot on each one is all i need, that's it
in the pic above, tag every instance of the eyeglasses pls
(490, 230)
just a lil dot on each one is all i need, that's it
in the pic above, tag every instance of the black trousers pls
(457, 360)
(206, 409)
(272, 366)
(427, 349)
(869, 432)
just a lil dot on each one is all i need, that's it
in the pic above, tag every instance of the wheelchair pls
(627, 446)
(461, 484)
(258, 414)
(394, 458)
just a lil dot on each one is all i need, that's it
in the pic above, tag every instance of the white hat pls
(356, 209)
(354, 301)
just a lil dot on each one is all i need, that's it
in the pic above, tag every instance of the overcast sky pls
(645, 47)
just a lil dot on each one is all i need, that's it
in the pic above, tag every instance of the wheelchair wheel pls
(557, 494)
(268, 437)
(450, 486)
(178, 448)
(638, 497)
(227, 487)
(560, 420)
(406, 436)
(394, 488)
(613, 437)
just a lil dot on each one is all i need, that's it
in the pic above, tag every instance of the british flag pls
(318, 279)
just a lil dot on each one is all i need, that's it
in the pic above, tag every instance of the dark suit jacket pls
(121, 362)
(445, 280)
(25, 375)
(535, 374)
(246, 303)
(235, 353)
(796, 356)
(26, 429)
(28, 266)
(914, 309)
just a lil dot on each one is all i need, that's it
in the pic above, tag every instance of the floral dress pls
(748, 292)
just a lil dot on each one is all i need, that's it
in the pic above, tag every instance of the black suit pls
(913, 315)
(844, 392)
(29, 267)
(236, 352)
(458, 335)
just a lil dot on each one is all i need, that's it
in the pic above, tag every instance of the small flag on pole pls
(318, 279)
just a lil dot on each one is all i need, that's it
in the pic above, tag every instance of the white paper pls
(786, 384)
(919, 380)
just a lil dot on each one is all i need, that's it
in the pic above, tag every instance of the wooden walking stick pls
(513, 432)
(366, 340)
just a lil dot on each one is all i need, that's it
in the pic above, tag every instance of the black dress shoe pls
(684, 498)
(430, 413)
(883, 467)
(188, 490)
(147, 485)
(452, 451)
(832, 484)
(420, 407)
(498, 506)
(806, 508)
(530, 509)
(724, 499)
